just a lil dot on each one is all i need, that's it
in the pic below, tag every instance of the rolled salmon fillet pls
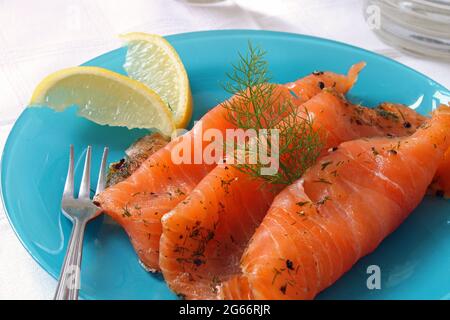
(319, 227)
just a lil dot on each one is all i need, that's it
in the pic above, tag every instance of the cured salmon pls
(158, 185)
(135, 155)
(320, 226)
(205, 235)
(441, 182)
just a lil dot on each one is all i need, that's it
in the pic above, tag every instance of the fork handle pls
(69, 279)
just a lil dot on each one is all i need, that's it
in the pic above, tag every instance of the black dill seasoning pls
(301, 213)
(225, 184)
(179, 192)
(359, 110)
(386, 114)
(321, 85)
(198, 262)
(317, 73)
(194, 233)
(392, 151)
(125, 212)
(276, 273)
(375, 152)
(322, 180)
(325, 199)
(407, 124)
(289, 264)
(283, 288)
(119, 164)
(210, 235)
(325, 164)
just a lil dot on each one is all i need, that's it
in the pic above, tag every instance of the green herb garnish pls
(257, 104)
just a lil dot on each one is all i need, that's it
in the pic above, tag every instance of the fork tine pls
(68, 187)
(86, 180)
(102, 173)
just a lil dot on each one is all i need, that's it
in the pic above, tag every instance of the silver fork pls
(80, 211)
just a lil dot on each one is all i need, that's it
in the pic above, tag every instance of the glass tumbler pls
(421, 27)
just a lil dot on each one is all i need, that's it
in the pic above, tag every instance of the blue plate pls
(414, 261)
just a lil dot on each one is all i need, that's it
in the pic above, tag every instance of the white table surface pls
(39, 37)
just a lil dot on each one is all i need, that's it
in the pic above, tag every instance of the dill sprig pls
(257, 104)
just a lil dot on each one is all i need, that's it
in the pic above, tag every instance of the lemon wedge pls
(105, 97)
(153, 61)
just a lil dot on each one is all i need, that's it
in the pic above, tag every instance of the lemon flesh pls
(153, 61)
(105, 97)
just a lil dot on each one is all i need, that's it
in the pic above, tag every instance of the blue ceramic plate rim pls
(188, 36)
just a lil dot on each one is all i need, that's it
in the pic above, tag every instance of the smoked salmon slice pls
(320, 226)
(441, 182)
(205, 235)
(158, 185)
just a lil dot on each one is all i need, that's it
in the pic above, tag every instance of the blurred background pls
(39, 37)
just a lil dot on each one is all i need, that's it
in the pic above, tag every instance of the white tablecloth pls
(38, 37)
